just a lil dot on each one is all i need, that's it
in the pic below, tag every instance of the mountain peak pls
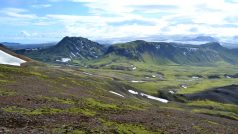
(74, 41)
(213, 45)
(205, 38)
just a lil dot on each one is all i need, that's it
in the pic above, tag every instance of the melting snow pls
(132, 92)
(65, 59)
(135, 81)
(172, 92)
(149, 96)
(154, 98)
(184, 86)
(134, 68)
(195, 77)
(116, 93)
(8, 59)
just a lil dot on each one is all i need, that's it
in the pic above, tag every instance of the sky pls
(39, 21)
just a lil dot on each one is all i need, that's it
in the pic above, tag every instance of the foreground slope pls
(42, 99)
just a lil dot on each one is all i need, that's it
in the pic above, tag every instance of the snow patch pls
(135, 81)
(184, 86)
(116, 93)
(134, 68)
(64, 60)
(132, 92)
(87, 73)
(148, 96)
(154, 98)
(172, 92)
(195, 77)
(8, 59)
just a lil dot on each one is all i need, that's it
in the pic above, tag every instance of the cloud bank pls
(113, 19)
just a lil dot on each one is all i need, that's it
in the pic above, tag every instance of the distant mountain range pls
(16, 46)
(231, 42)
(76, 49)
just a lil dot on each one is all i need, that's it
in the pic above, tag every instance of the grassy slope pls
(40, 94)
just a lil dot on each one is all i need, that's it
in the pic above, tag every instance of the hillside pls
(42, 99)
(172, 53)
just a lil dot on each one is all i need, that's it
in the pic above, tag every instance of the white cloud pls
(147, 18)
(41, 6)
(202, 14)
(17, 13)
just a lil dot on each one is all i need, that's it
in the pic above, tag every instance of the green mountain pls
(171, 53)
(68, 49)
(81, 51)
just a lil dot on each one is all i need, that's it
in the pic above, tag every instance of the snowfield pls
(8, 59)
(148, 96)
(154, 98)
(116, 93)
(132, 92)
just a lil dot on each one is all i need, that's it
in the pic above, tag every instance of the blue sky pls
(37, 21)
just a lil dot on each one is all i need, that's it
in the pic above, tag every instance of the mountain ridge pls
(78, 49)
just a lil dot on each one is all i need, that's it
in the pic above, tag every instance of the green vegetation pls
(38, 74)
(100, 105)
(39, 111)
(229, 115)
(76, 110)
(127, 128)
(48, 110)
(214, 108)
(7, 93)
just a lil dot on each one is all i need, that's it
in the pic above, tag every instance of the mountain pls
(171, 53)
(68, 49)
(10, 58)
(78, 50)
(204, 38)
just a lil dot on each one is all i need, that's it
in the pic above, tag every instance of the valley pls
(80, 86)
